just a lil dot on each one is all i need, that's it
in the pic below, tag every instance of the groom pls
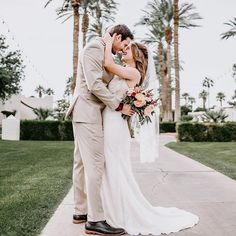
(90, 97)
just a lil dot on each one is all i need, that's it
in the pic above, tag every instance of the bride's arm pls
(127, 73)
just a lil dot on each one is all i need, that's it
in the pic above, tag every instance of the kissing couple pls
(107, 197)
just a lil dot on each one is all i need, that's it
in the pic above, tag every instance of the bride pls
(124, 204)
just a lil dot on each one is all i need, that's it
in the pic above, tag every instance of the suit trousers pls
(88, 169)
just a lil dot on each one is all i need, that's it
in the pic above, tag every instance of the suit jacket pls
(91, 94)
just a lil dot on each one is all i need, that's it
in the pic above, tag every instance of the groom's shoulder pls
(96, 44)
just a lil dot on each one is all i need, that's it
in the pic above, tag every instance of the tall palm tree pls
(156, 36)
(203, 96)
(40, 90)
(220, 97)
(176, 58)
(232, 31)
(208, 83)
(162, 11)
(185, 96)
(74, 5)
(184, 17)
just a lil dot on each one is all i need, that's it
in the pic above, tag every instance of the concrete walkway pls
(174, 180)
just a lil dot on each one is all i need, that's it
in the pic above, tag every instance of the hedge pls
(167, 127)
(62, 130)
(211, 132)
(46, 130)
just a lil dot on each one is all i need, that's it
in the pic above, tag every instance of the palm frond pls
(231, 32)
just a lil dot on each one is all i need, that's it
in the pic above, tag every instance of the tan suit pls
(90, 97)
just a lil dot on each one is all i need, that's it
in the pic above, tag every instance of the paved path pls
(174, 180)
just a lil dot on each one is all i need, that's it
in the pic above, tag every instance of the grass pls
(34, 178)
(220, 156)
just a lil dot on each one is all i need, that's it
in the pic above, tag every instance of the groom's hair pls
(123, 30)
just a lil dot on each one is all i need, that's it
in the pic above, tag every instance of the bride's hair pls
(140, 55)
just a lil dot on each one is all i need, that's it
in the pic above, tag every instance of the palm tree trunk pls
(204, 103)
(85, 25)
(163, 82)
(176, 59)
(169, 89)
(75, 5)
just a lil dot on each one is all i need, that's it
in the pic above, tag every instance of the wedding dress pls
(124, 204)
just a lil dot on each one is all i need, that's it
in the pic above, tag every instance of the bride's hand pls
(108, 40)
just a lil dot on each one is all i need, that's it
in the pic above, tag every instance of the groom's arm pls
(93, 71)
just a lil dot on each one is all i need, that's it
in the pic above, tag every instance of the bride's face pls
(127, 54)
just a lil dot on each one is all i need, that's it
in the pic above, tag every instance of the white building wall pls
(24, 112)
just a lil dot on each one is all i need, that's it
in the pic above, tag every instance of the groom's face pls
(119, 45)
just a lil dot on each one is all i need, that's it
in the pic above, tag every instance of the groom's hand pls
(127, 110)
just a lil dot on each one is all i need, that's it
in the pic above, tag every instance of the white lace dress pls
(124, 204)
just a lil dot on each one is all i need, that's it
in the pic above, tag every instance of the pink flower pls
(139, 103)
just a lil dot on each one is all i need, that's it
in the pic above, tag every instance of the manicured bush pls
(167, 127)
(66, 130)
(39, 130)
(198, 132)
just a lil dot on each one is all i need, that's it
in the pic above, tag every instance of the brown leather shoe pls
(79, 219)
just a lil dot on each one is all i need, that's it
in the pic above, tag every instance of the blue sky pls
(47, 44)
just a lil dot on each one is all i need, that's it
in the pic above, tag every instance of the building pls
(21, 104)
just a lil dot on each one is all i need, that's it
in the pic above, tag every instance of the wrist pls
(120, 107)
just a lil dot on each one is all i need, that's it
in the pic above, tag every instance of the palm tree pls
(68, 91)
(85, 20)
(232, 31)
(49, 91)
(220, 97)
(156, 36)
(40, 90)
(233, 102)
(184, 17)
(176, 58)
(203, 96)
(73, 5)
(102, 11)
(160, 12)
(192, 100)
(208, 83)
(185, 96)
(42, 113)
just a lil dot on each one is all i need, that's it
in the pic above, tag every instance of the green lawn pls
(34, 178)
(217, 155)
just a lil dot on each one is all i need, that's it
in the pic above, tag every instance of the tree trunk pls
(75, 42)
(85, 25)
(169, 87)
(176, 59)
(204, 103)
(163, 82)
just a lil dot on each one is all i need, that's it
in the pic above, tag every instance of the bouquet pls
(142, 102)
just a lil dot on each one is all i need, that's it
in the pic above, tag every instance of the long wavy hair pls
(140, 55)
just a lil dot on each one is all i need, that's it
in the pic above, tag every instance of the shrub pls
(199, 132)
(186, 118)
(66, 130)
(167, 127)
(45, 130)
(185, 110)
(215, 116)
